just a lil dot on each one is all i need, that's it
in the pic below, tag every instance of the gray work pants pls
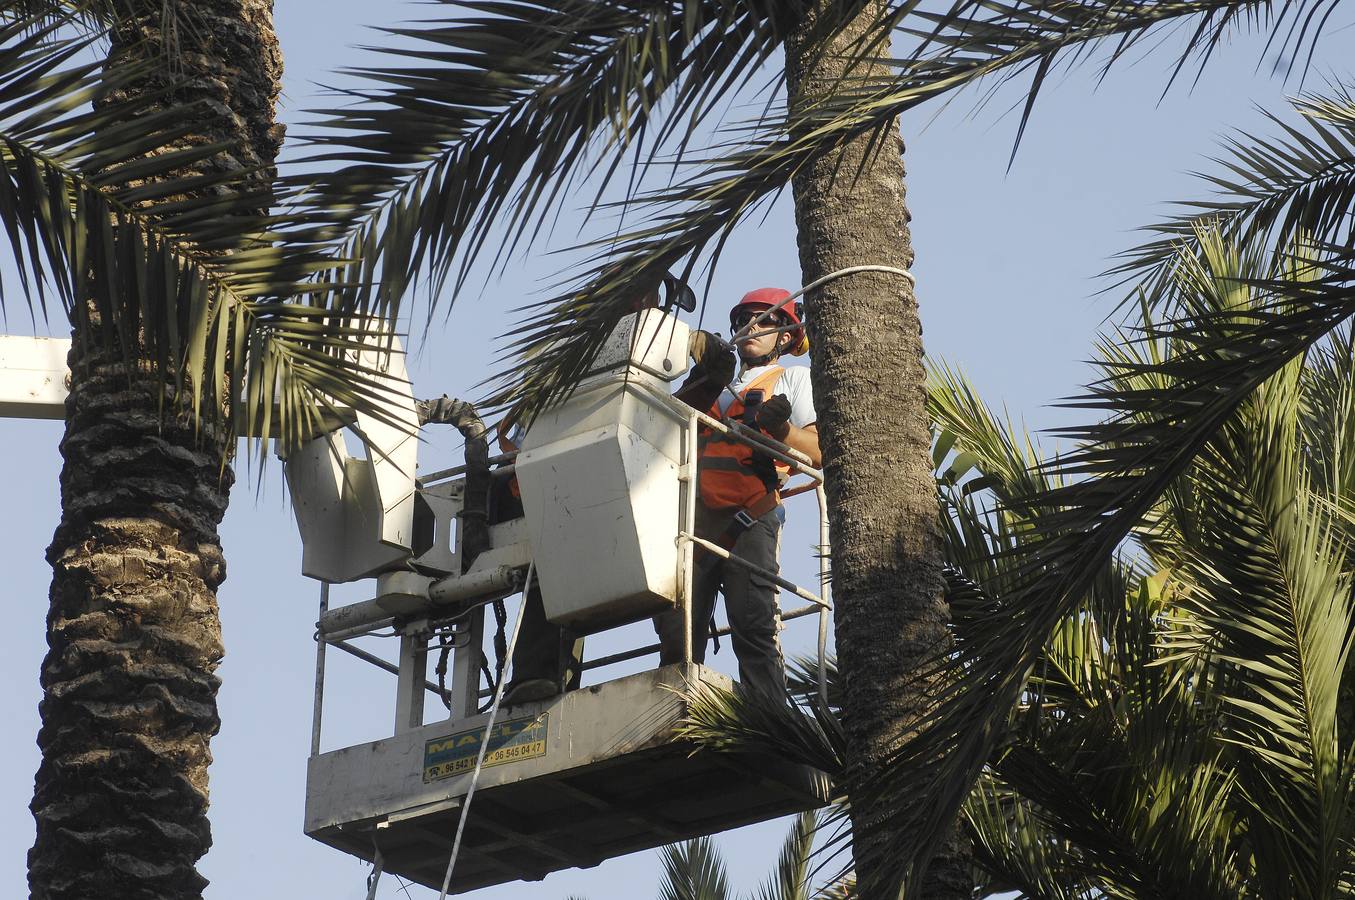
(750, 602)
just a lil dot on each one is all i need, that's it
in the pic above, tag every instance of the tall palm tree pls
(1183, 734)
(120, 797)
(134, 198)
(889, 616)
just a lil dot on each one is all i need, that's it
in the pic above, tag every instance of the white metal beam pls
(34, 380)
(33, 377)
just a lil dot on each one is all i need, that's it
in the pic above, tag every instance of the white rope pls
(378, 866)
(831, 276)
(484, 741)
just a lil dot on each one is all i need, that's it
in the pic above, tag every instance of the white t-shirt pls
(794, 383)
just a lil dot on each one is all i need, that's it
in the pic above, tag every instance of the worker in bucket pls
(739, 506)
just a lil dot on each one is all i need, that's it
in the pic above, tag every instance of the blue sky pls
(1006, 266)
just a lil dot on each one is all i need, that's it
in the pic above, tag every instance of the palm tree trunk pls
(129, 703)
(870, 395)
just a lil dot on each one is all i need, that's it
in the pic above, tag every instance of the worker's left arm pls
(774, 418)
(806, 440)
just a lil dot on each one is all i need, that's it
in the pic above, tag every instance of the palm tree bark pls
(870, 396)
(129, 702)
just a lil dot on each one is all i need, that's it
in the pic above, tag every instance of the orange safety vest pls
(729, 471)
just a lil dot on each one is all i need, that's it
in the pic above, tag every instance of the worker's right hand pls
(713, 357)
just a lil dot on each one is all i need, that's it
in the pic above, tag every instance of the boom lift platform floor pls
(568, 782)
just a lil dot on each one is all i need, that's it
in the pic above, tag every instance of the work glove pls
(713, 357)
(773, 417)
(713, 370)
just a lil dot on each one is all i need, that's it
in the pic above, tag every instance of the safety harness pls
(733, 475)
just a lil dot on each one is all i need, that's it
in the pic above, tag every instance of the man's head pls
(764, 342)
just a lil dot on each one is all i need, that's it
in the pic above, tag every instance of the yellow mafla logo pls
(509, 742)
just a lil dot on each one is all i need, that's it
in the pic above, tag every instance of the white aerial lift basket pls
(599, 476)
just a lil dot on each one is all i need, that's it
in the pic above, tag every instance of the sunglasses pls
(741, 319)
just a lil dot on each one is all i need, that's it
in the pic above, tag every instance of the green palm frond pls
(1327, 418)
(91, 16)
(1015, 850)
(177, 271)
(1118, 754)
(1161, 743)
(790, 879)
(693, 870)
(1095, 699)
(1123, 469)
(1155, 732)
(510, 105)
(691, 218)
(1003, 462)
(1271, 192)
(986, 471)
(802, 680)
(986, 526)
(1158, 846)
(1036, 37)
(740, 721)
(1271, 592)
(1201, 724)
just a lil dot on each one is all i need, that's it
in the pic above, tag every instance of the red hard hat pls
(768, 297)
